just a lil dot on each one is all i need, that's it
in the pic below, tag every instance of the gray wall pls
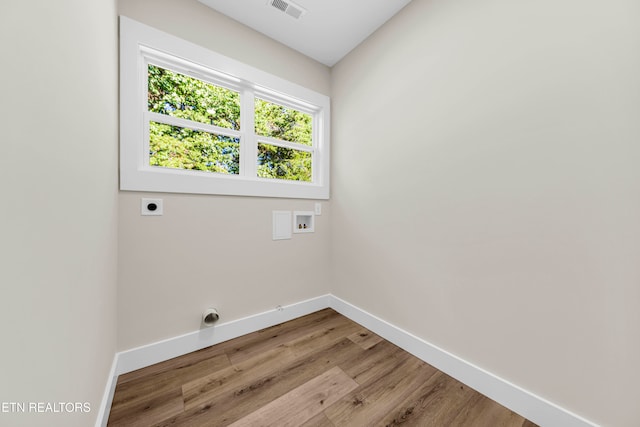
(487, 191)
(58, 215)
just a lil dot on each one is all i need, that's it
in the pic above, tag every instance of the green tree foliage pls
(277, 121)
(187, 98)
(182, 96)
(283, 163)
(287, 124)
(182, 148)
(191, 99)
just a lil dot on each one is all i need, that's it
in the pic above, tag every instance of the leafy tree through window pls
(194, 121)
(187, 98)
(284, 133)
(278, 160)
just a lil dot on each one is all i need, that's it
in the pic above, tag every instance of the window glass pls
(182, 148)
(185, 97)
(194, 121)
(283, 163)
(287, 124)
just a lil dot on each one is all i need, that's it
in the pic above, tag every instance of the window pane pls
(284, 123)
(283, 163)
(182, 96)
(181, 148)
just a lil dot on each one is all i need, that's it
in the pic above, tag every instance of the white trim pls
(138, 44)
(285, 144)
(527, 404)
(248, 146)
(190, 124)
(177, 65)
(107, 398)
(147, 355)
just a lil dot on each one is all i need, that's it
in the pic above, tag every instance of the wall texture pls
(488, 153)
(58, 215)
(213, 250)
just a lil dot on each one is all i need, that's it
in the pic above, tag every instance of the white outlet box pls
(151, 207)
(303, 222)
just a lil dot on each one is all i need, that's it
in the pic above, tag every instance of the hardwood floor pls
(321, 370)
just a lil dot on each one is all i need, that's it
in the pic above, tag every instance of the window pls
(194, 121)
(285, 143)
(193, 124)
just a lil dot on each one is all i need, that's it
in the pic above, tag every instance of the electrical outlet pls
(151, 207)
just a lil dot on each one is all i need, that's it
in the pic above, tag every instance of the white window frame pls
(141, 45)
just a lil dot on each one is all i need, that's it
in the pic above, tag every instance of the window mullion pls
(285, 144)
(318, 149)
(190, 124)
(248, 143)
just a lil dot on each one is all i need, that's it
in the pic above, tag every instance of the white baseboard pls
(147, 355)
(520, 401)
(107, 398)
(530, 406)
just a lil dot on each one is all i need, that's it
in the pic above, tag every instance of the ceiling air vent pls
(288, 7)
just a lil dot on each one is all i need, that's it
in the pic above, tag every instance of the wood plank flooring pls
(321, 370)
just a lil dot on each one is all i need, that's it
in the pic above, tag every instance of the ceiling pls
(326, 32)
